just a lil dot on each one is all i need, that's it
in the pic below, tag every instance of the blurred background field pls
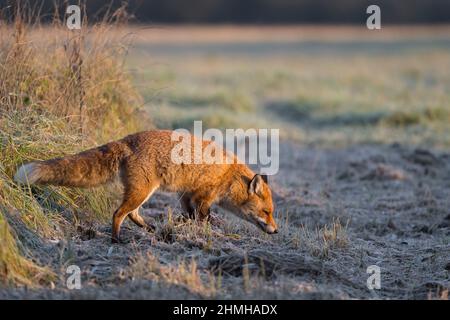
(331, 85)
(321, 85)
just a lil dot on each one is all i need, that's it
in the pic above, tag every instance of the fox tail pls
(89, 168)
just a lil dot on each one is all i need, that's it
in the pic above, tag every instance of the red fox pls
(143, 163)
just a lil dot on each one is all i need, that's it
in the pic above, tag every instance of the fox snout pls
(268, 227)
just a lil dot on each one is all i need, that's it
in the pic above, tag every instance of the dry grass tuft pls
(324, 240)
(184, 274)
(14, 267)
(61, 91)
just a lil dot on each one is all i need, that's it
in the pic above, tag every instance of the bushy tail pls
(86, 169)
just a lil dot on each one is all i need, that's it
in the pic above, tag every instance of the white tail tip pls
(27, 173)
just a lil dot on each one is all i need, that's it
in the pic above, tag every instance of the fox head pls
(257, 207)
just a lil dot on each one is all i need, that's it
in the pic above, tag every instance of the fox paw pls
(215, 220)
(150, 227)
(115, 240)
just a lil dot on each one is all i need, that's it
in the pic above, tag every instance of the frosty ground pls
(339, 211)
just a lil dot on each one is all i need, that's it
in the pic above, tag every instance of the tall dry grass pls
(60, 91)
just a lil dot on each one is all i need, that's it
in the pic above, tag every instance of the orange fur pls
(143, 162)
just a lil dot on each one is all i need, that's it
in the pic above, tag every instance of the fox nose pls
(275, 231)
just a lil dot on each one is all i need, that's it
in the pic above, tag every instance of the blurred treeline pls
(254, 11)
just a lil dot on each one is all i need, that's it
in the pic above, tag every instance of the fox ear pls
(256, 185)
(264, 177)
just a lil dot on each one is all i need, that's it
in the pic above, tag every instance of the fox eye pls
(267, 212)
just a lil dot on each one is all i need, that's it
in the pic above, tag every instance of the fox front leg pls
(186, 204)
(202, 208)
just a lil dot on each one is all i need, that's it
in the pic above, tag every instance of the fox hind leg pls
(133, 198)
(139, 220)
